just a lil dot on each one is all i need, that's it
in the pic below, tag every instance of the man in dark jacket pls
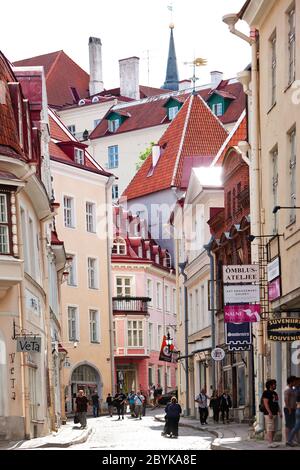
(173, 411)
(225, 405)
(81, 408)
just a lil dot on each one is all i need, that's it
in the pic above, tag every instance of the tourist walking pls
(290, 405)
(271, 410)
(120, 401)
(138, 401)
(95, 403)
(173, 412)
(225, 405)
(131, 402)
(81, 408)
(202, 400)
(109, 401)
(296, 428)
(214, 404)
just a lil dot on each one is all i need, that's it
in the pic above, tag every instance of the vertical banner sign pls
(165, 351)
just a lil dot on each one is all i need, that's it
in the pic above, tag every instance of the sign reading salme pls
(242, 313)
(236, 294)
(240, 273)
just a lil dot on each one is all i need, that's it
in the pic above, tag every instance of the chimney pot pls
(129, 77)
(95, 54)
(216, 78)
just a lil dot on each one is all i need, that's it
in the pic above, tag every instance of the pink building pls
(144, 306)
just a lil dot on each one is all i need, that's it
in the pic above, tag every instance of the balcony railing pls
(131, 304)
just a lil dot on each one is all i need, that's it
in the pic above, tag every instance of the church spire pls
(172, 80)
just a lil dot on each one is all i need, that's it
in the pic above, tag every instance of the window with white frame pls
(173, 110)
(72, 129)
(293, 177)
(168, 372)
(124, 286)
(159, 336)
(69, 212)
(94, 326)
(150, 336)
(150, 291)
(119, 247)
(113, 125)
(292, 43)
(273, 68)
(92, 273)
(174, 301)
(274, 162)
(79, 156)
(217, 109)
(135, 333)
(25, 240)
(32, 248)
(113, 156)
(168, 260)
(4, 227)
(167, 299)
(72, 277)
(115, 191)
(158, 295)
(90, 214)
(73, 323)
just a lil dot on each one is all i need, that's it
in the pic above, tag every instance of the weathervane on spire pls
(198, 62)
(171, 9)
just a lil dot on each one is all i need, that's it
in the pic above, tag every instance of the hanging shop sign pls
(284, 329)
(238, 348)
(238, 334)
(274, 289)
(218, 354)
(29, 344)
(242, 313)
(273, 269)
(240, 273)
(236, 294)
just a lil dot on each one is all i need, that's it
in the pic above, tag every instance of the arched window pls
(119, 247)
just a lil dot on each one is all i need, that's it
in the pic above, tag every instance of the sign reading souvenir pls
(242, 313)
(218, 354)
(284, 329)
(274, 291)
(236, 294)
(240, 273)
(28, 344)
(238, 334)
(273, 269)
(166, 351)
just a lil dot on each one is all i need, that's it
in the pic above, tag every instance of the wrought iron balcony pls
(137, 305)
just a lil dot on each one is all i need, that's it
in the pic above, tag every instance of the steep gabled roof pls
(59, 133)
(195, 132)
(62, 74)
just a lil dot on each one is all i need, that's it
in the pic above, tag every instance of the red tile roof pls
(152, 112)
(238, 133)
(195, 132)
(62, 73)
(60, 133)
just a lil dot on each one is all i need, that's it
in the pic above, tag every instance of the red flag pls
(166, 351)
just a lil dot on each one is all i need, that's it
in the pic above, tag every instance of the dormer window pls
(167, 261)
(113, 125)
(79, 156)
(172, 112)
(119, 247)
(217, 109)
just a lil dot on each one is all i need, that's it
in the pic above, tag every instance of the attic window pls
(172, 112)
(217, 109)
(113, 125)
(119, 247)
(79, 156)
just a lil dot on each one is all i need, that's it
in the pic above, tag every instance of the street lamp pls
(169, 342)
(278, 208)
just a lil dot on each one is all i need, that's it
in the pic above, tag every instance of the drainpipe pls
(212, 306)
(22, 320)
(255, 204)
(108, 209)
(186, 339)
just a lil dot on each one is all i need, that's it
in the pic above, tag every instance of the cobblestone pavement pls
(145, 434)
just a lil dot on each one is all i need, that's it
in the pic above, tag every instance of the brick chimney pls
(95, 53)
(129, 77)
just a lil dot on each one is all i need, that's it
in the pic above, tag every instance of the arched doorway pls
(85, 377)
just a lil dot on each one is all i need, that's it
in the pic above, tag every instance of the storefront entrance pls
(126, 378)
(86, 378)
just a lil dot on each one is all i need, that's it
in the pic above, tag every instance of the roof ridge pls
(182, 139)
